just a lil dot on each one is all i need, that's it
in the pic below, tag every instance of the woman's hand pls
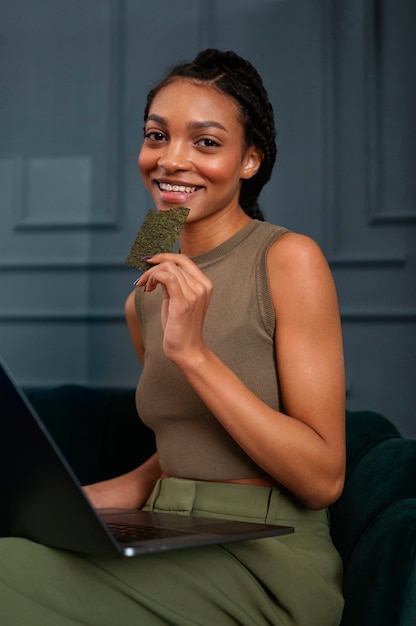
(186, 295)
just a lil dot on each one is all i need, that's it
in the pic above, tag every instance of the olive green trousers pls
(292, 580)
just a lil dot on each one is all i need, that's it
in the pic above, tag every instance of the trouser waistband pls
(236, 501)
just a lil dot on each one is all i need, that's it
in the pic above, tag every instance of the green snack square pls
(158, 233)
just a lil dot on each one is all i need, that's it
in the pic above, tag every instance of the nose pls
(174, 156)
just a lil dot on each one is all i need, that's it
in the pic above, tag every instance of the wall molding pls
(57, 317)
(31, 267)
(378, 315)
(117, 317)
(369, 262)
(80, 205)
(369, 15)
(206, 26)
(378, 214)
(328, 169)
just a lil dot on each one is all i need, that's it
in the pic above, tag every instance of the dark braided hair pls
(236, 77)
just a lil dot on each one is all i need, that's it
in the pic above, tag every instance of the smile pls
(179, 188)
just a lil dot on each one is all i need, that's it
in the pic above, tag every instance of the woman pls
(243, 384)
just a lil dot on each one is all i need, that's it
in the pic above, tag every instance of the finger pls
(181, 260)
(178, 264)
(173, 278)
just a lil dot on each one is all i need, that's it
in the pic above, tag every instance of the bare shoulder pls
(294, 251)
(299, 272)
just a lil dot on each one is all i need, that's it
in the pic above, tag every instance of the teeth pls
(181, 188)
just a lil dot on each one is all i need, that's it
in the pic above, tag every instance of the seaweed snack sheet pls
(158, 233)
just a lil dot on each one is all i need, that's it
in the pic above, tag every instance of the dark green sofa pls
(373, 523)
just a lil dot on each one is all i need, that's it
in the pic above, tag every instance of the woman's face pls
(194, 153)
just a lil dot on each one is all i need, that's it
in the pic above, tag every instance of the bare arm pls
(134, 326)
(303, 448)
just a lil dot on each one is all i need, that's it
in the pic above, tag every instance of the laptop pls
(42, 499)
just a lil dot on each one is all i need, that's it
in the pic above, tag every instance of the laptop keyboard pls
(126, 532)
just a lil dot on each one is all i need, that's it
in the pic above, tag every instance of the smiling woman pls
(242, 383)
(195, 152)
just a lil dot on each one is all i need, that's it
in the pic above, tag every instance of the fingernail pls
(136, 281)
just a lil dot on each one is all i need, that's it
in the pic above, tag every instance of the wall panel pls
(371, 230)
(340, 76)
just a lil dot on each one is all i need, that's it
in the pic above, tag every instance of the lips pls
(171, 187)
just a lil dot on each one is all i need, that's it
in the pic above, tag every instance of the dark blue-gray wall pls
(74, 74)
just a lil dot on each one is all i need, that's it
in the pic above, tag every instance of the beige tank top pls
(239, 328)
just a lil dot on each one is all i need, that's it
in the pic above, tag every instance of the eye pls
(155, 135)
(206, 142)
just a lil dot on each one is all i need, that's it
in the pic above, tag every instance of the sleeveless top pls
(239, 328)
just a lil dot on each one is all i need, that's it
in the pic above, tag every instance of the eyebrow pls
(192, 126)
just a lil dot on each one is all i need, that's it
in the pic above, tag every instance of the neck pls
(203, 235)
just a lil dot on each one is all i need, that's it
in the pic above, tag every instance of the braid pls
(235, 76)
